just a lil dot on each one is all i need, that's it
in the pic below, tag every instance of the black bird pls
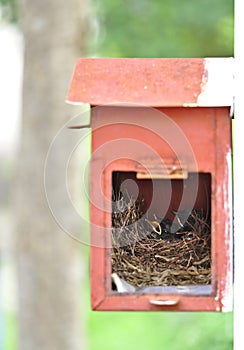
(184, 222)
(187, 219)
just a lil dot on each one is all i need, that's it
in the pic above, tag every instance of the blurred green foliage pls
(8, 10)
(163, 330)
(11, 331)
(168, 28)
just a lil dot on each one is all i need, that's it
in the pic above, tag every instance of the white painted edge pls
(217, 83)
(164, 302)
(74, 103)
(227, 299)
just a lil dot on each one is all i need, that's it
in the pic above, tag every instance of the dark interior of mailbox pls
(161, 233)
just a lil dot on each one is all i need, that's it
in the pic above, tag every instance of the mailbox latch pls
(167, 169)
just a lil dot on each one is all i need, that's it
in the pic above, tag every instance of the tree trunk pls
(50, 264)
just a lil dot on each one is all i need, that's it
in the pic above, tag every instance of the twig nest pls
(144, 255)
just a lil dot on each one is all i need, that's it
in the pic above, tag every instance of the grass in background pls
(10, 336)
(161, 330)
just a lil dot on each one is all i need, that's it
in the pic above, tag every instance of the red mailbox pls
(160, 182)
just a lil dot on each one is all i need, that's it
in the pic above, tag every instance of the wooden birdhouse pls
(160, 182)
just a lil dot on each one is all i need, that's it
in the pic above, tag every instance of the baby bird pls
(161, 228)
(184, 221)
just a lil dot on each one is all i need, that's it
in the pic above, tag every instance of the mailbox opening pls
(161, 233)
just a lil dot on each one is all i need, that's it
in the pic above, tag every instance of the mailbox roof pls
(166, 82)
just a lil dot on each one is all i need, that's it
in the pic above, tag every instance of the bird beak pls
(156, 227)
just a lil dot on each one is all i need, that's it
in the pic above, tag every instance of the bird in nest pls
(161, 228)
(164, 228)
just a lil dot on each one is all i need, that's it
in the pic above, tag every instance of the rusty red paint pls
(209, 136)
(149, 82)
(168, 84)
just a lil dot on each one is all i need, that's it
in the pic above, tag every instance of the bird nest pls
(142, 257)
